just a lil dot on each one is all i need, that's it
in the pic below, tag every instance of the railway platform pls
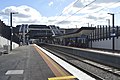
(24, 63)
(31, 63)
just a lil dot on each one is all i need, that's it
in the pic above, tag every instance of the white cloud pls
(90, 14)
(60, 0)
(25, 14)
(51, 3)
(93, 13)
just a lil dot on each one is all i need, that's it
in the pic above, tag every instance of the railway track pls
(96, 70)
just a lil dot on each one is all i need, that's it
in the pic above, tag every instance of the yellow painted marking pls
(61, 78)
(54, 64)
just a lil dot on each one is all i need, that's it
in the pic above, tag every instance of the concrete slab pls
(24, 58)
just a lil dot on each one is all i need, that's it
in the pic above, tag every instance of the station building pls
(98, 37)
(5, 35)
(4, 30)
(37, 33)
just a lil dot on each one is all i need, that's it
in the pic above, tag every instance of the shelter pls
(78, 38)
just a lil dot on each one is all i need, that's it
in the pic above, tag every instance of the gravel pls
(100, 72)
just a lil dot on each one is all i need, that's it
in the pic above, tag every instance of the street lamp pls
(11, 28)
(108, 22)
(92, 25)
(113, 32)
(88, 24)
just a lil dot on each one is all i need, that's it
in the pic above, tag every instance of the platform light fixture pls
(11, 28)
(113, 32)
(108, 22)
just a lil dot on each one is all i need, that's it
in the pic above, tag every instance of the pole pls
(24, 34)
(11, 30)
(88, 24)
(91, 25)
(108, 22)
(76, 26)
(113, 31)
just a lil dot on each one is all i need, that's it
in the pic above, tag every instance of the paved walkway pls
(24, 63)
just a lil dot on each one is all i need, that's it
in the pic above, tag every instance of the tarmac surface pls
(24, 63)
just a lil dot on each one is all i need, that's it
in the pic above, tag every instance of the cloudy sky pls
(63, 13)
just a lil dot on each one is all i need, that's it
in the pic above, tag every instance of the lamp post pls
(113, 32)
(92, 25)
(108, 22)
(88, 24)
(11, 28)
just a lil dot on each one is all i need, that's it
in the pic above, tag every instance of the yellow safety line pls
(53, 63)
(61, 78)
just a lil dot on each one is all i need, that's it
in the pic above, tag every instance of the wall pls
(117, 43)
(4, 41)
(101, 57)
(105, 44)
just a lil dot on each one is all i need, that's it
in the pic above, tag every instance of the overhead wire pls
(83, 8)
(66, 9)
(107, 6)
(104, 8)
(78, 10)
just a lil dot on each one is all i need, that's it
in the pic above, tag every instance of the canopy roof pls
(78, 33)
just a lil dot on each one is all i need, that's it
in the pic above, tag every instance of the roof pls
(78, 33)
(39, 26)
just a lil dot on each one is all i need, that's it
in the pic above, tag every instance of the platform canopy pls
(78, 33)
